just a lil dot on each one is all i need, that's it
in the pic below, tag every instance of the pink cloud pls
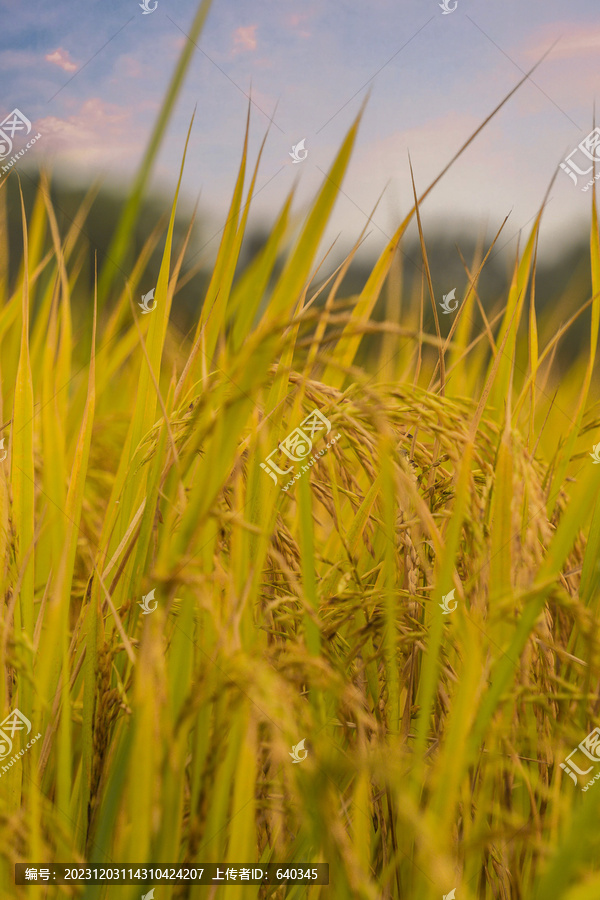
(297, 19)
(176, 42)
(90, 135)
(97, 110)
(60, 58)
(244, 38)
(569, 74)
(575, 41)
(131, 66)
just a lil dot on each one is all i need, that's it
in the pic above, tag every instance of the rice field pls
(410, 592)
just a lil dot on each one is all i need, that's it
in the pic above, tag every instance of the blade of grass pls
(120, 243)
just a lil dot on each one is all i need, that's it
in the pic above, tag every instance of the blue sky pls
(91, 77)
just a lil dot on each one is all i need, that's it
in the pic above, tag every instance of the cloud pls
(60, 58)
(381, 164)
(569, 75)
(130, 67)
(295, 20)
(575, 41)
(244, 38)
(90, 136)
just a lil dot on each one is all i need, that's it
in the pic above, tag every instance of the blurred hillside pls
(563, 283)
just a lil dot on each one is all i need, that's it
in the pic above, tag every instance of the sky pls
(90, 77)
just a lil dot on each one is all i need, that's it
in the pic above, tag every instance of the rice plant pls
(414, 597)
